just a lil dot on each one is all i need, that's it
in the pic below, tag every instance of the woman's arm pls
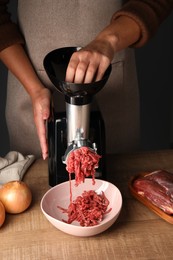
(147, 14)
(97, 55)
(16, 60)
(9, 32)
(133, 25)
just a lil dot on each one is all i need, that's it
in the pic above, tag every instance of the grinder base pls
(57, 145)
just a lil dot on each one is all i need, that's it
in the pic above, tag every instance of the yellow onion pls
(2, 214)
(15, 196)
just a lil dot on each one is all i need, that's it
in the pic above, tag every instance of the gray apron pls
(50, 24)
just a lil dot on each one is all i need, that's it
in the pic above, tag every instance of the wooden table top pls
(137, 234)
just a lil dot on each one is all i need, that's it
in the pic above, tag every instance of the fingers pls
(86, 67)
(101, 69)
(45, 110)
(41, 131)
(85, 73)
(79, 69)
(41, 108)
(43, 140)
(71, 69)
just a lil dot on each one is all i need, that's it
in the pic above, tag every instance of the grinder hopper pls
(78, 98)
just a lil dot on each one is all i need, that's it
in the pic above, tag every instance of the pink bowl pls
(59, 195)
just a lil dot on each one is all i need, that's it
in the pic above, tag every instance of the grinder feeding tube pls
(78, 99)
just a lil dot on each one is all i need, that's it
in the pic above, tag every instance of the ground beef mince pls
(88, 209)
(82, 162)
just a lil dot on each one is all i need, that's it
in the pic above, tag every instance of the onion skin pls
(2, 214)
(15, 196)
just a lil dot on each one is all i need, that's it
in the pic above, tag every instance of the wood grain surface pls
(137, 234)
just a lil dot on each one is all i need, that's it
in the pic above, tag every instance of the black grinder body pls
(60, 125)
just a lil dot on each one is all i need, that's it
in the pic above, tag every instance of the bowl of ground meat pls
(82, 210)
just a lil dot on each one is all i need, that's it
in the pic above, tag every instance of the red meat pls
(155, 193)
(88, 209)
(164, 178)
(82, 162)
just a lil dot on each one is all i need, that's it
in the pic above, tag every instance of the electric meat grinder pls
(78, 126)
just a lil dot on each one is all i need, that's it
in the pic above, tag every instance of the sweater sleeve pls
(147, 14)
(9, 32)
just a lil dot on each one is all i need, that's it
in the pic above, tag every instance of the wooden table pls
(137, 234)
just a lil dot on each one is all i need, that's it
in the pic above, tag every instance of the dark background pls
(155, 75)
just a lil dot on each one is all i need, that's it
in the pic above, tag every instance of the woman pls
(48, 25)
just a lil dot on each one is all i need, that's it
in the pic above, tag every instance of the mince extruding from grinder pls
(82, 162)
(157, 187)
(88, 209)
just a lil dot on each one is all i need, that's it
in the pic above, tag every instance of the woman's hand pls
(90, 63)
(41, 109)
(15, 58)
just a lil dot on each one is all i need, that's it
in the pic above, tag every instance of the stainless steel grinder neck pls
(78, 119)
(78, 122)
